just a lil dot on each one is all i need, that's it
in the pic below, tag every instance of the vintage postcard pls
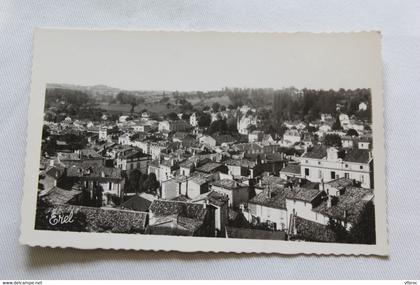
(206, 141)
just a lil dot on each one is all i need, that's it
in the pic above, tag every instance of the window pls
(109, 185)
(332, 174)
(346, 175)
(306, 171)
(346, 165)
(319, 162)
(306, 161)
(319, 174)
(361, 166)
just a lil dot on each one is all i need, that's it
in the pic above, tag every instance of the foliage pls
(364, 230)
(204, 120)
(172, 116)
(332, 140)
(352, 133)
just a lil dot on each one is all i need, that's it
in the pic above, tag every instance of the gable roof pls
(60, 196)
(349, 204)
(228, 184)
(139, 202)
(304, 194)
(272, 197)
(92, 219)
(292, 168)
(184, 209)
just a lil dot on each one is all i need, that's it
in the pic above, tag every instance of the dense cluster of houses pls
(241, 185)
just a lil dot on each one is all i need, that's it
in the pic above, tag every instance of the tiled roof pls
(60, 196)
(312, 231)
(241, 162)
(228, 184)
(134, 154)
(273, 197)
(184, 209)
(208, 167)
(340, 183)
(94, 172)
(318, 152)
(248, 147)
(291, 168)
(213, 197)
(244, 233)
(303, 194)
(357, 155)
(140, 202)
(91, 219)
(352, 201)
(54, 171)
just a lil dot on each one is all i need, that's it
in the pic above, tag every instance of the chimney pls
(329, 201)
(269, 192)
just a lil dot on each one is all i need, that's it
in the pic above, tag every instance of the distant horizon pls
(81, 86)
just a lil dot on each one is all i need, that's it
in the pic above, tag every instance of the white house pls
(194, 120)
(322, 164)
(290, 137)
(103, 134)
(363, 106)
(244, 122)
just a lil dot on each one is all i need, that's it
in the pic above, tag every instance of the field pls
(161, 108)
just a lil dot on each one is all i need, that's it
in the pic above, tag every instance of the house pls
(139, 202)
(99, 181)
(344, 121)
(223, 139)
(174, 126)
(123, 119)
(133, 159)
(323, 164)
(194, 120)
(105, 219)
(220, 203)
(269, 206)
(255, 136)
(345, 208)
(156, 148)
(244, 122)
(301, 202)
(103, 134)
(142, 128)
(291, 137)
(237, 192)
(211, 167)
(181, 219)
(363, 106)
(56, 196)
(244, 167)
(248, 148)
(208, 141)
(292, 170)
(124, 139)
(295, 125)
(337, 186)
(267, 140)
(188, 166)
(174, 187)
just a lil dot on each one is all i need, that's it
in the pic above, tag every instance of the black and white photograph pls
(168, 145)
(284, 164)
